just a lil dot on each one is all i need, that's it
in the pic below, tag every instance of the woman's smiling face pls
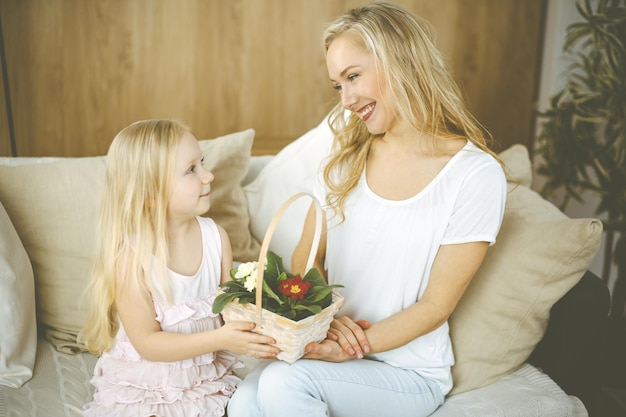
(356, 77)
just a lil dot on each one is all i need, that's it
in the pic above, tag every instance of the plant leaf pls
(224, 298)
(271, 294)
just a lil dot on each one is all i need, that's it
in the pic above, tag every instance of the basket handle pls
(268, 236)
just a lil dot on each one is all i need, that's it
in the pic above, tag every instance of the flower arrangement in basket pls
(293, 309)
(291, 296)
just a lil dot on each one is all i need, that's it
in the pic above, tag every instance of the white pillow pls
(292, 170)
(18, 343)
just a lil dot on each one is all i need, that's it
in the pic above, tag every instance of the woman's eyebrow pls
(345, 70)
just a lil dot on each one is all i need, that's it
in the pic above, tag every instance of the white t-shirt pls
(384, 250)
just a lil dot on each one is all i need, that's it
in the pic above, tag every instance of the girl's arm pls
(452, 271)
(137, 313)
(227, 255)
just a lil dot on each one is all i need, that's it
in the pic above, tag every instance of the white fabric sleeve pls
(479, 208)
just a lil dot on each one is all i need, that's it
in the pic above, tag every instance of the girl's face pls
(353, 73)
(191, 183)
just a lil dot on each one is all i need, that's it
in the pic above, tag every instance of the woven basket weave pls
(291, 336)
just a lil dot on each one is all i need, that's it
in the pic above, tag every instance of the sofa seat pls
(524, 393)
(60, 386)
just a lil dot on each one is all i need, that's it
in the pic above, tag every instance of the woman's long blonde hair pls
(425, 94)
(131, 234)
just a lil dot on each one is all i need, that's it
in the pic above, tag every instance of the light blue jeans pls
(360, 388)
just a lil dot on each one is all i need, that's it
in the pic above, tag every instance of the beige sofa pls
(47, 217)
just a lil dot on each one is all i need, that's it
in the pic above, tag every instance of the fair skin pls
(191, 187)
(399, 166)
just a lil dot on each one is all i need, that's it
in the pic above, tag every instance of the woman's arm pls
(303, 248)
(354, 341)
(452, 271)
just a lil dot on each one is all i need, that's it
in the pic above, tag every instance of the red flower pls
(294, 288)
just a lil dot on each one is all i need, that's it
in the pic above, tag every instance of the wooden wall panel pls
(5, 137)
(80, 70)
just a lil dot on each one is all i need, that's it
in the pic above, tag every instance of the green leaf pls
(288, 313)
(273, 266)
(576, 32)
(320, 293)
(221, 300)
(312, 309)
(233, 286)
(271, 294)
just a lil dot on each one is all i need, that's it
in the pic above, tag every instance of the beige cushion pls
(18, 343)
(228, 158)
(517, 164)
(539, 255)
(54, 208)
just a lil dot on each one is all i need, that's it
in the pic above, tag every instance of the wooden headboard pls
(79, 71)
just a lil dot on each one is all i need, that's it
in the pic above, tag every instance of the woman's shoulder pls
(471, 154)
(474, 164)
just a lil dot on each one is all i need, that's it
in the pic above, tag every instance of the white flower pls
(247, 272)
(250, 282)
(245, 269)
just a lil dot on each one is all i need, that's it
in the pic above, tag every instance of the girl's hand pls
(239, 338)
(350, 335)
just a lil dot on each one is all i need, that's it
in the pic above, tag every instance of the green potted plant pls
(582, 135)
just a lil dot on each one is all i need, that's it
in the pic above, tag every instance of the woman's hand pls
(328, 350)
(239, 338)
(345, 340)
(350, 335)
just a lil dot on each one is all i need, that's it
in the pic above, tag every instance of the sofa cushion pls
(525, 392)
(53, 207)
(539, 255)
(228, 158)
(517, 164)
(18, 343)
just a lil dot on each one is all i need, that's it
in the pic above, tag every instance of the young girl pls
(157, 267)
(414, 199)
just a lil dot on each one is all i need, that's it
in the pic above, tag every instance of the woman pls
(414, 197)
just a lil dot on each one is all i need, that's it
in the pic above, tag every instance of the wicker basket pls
(291, 336)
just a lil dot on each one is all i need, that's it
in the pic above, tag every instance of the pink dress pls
(127, 385)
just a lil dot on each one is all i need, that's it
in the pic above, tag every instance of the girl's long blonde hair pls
(131, 234)
(425, 94)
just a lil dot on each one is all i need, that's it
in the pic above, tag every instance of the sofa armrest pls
(571, 350)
